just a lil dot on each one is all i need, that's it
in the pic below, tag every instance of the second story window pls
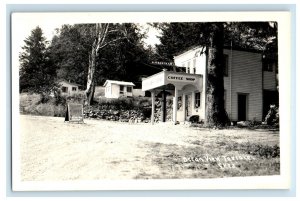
(188, 67)
(194, 66)
(74, 89)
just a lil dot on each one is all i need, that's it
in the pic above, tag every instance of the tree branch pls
(112, 41)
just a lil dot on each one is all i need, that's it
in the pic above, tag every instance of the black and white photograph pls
(102, 98)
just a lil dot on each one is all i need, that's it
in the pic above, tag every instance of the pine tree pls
(37, 74)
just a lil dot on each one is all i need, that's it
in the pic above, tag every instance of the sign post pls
(74, 113)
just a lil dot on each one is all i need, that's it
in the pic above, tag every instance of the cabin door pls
(242, 107)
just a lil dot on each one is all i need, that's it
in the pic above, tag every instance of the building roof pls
(118, 82)
(194, 47)
(71, 83)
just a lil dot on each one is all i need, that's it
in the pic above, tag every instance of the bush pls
(272, 118)
(55, 106)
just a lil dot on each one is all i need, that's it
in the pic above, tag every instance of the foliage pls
(177, 37)
(119, 60)
(56, 106)
(272, 118)
(37, 72)
(69, 49)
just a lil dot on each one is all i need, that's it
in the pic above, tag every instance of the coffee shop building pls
(249, 85)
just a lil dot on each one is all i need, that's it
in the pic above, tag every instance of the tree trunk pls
(99, 42)
(90, 86)
(216, 115)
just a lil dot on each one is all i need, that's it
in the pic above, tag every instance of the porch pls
(176, 84)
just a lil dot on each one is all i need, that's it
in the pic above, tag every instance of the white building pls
(116, 89)
(250, 85)
(68, 88)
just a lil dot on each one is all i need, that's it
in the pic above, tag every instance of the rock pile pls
(142, 115)
(138, 112)
(158, 110)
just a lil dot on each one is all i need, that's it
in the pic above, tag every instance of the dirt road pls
(52, 150)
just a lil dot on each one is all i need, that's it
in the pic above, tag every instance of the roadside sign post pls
(74, 113)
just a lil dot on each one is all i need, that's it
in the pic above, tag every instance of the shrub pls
(45, 109)
(272, 118)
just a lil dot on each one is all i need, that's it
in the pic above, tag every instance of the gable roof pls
(118, 82)
(70, 83)
(194, 47)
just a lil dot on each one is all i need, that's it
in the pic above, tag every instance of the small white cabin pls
(68, 88)
(116, 89)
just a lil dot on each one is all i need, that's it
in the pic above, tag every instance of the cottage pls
(249, 85)
(116, 89)
(68, 88)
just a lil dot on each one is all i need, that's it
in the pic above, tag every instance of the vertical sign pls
(74, 113)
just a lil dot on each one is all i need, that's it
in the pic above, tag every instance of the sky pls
(25, 23)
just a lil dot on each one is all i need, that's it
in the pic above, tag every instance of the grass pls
(215, 157)
(56, 106)
(31, 104)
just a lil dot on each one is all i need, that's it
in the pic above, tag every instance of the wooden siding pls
(245, 69)
(245, 76)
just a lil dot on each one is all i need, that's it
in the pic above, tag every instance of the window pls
(64, 89)
(121, 89)
(74, 89)
(225, 65)
(188, 67)
(129, 89)
(197, 99)
(179, 100)
(194, 66)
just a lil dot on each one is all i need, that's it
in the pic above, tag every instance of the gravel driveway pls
(52, 150)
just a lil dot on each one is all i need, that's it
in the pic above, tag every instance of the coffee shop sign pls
(181, 78)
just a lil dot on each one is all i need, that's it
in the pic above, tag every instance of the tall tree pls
(215, 110)
(37, 72)
(70, 52)
(118, 54)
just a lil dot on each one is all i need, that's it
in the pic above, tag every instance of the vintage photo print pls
(155, 101)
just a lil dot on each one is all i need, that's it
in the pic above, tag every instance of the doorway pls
(188, 105)
(242, 107)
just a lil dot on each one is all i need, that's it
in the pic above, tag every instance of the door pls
(188, 105)
(242, 107)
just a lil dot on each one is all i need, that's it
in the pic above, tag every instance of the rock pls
(243, 123)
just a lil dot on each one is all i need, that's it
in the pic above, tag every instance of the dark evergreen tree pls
(37, 72)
